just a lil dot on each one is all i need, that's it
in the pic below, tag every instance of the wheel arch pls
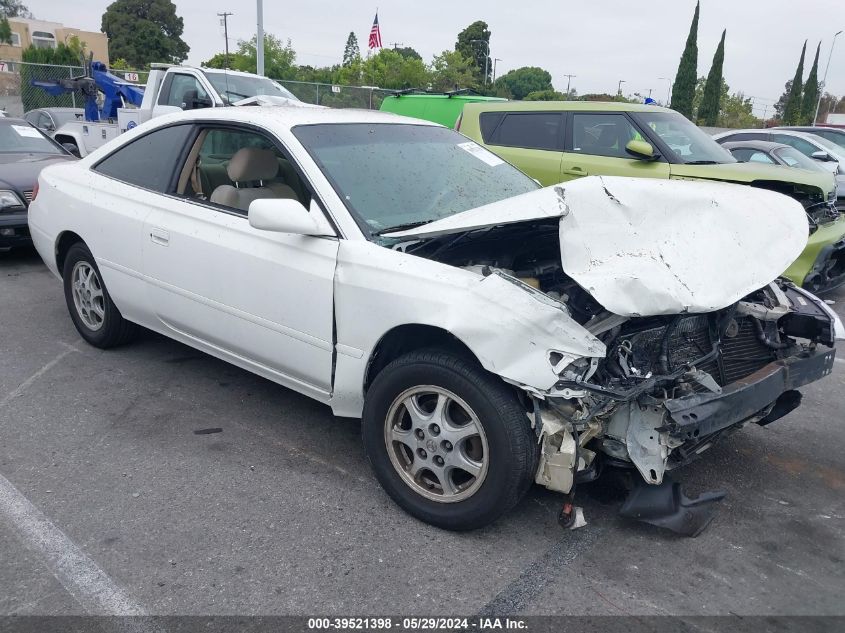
(65, 240)
(410, 337)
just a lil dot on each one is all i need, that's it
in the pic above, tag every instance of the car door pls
(530, 140)
(595, 145)
(181, 91)
(262, 300)
(118, 193)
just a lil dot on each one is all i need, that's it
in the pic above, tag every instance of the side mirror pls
(72, 148)
(641, 150)
(285, 215)
(822, 156)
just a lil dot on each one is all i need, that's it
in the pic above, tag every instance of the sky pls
(599, 41)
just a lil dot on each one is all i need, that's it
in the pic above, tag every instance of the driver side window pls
(187, 93)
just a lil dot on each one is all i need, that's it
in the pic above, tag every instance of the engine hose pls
(764, 339)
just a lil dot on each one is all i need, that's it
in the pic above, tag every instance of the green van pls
(444, 108)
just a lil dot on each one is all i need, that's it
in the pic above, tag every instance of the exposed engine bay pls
(670, 386)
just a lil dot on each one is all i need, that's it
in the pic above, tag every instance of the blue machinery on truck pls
(97, 78)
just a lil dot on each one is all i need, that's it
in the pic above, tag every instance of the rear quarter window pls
(150, 161)
(529, 130)
(488, 122)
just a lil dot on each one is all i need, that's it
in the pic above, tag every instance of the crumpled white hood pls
(646, 247)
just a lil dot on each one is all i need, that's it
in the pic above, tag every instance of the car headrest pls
(251, 163)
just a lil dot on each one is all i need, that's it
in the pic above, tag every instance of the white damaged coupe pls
(490, 333)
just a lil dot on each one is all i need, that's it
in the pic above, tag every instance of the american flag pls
(375, 34)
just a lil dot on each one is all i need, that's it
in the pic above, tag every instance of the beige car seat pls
(249, 168)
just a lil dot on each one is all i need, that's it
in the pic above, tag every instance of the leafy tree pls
(468, 46)
(279, 58)
(737, 112)
(388, 69)
(522, 81)
(708, 111)
(450, 70)
(220, 61)
(592, 96)
(546, 95)
(780, 105)
(14, 9)
(407, 52)
(351, 50)
(5, 31)
(792, 110)
(144, 31)
(683, 90)
(811, 92)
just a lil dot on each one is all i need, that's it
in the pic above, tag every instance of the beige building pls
(26, 32)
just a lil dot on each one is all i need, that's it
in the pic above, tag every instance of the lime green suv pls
(561, 140)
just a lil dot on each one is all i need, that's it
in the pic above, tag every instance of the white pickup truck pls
(170, 89)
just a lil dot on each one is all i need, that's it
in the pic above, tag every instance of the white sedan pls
(490, 333)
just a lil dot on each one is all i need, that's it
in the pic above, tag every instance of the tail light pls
(458, 122)
(34, 191)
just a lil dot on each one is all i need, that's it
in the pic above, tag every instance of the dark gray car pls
(24, 152)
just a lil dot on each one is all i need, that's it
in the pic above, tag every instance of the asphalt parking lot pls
(111, 501)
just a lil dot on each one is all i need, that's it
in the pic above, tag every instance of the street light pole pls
(668, 91)
(259, 39)
(824, 81)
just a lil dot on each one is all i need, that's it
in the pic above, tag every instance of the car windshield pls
(794, 158)
(835, 150)
(17, 137)
(393, 175)
(688, 143)
(234, 87)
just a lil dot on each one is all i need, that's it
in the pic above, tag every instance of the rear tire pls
(415, 406)
(91, 309)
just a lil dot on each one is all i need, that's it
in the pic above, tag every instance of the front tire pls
(448, 441)
(91, 309)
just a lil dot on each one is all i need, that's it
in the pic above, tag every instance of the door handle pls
(575, 171)
(159, 236)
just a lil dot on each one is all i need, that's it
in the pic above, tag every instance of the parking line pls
(79, 575)
(26, 383)
(839, 360)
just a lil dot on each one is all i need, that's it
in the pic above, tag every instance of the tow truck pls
(114, 105)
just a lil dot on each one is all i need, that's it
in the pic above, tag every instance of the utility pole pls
(619, 87)
(668, 90)
(225, 15)
(498, 59)
(396, 45)
(568, 82)
(259, 39)
(824, 81)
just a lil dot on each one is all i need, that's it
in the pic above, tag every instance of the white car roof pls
(291, 115)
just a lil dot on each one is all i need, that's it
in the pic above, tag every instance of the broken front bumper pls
(701, 414)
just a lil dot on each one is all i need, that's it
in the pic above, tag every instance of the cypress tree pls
(708, 111)
(792, 111)
(683, 90)
(811, 92)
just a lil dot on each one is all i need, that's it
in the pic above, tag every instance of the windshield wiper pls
(402, 227)
(702, 162)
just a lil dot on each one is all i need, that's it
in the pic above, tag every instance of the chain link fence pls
(337, 96)
(19, 94)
